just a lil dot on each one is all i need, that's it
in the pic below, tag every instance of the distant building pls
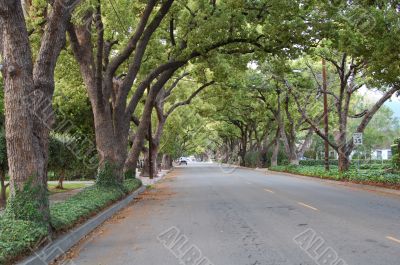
(376, 154)
(381, 154)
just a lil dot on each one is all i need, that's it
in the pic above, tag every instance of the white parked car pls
(184, 161)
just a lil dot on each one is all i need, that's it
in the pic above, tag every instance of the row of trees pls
(278, 112)
(135, 62)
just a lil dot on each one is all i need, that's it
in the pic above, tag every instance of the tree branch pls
(131, 45)
(171, 31)
(174, 84)
(107, 50)
(134, 68)
(369, 115)
(359, 115)
(312, 124)
(189, 99)
(147, 81)
(51, 44)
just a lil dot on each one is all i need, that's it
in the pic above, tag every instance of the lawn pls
(67, 187)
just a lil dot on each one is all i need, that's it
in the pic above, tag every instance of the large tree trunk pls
(26, 156)
(133, 155)
(28, 110)
(275, 152)
(110, 120)
(243, 150)
(154, 151)
(166, 163)
(289, 142)
(111, 142)
(294, 160)
(146, 169)
(344, 162)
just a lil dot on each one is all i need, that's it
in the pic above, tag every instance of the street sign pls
(357, 138)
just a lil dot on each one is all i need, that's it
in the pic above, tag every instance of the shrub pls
(65, 161)
(396, 161)
(360, 176)
(252, 158)
(18, 237)
(366, 163)
(88, 202)
(317, 162)
(396, 154)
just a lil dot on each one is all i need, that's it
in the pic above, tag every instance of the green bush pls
(396, 161)
(17, 237)
(361, 176)
(366, 163)
(88, 202)
(252, 158)
(65, 158)
(396, 154)
(317, 162)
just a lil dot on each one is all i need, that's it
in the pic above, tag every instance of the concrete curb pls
(61, 245)
(339, 183)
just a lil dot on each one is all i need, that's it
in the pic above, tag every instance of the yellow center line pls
(393, 239)
(308, 206)
(270, 191)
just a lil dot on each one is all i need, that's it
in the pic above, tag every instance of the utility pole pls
(326, 125)
(151, 173)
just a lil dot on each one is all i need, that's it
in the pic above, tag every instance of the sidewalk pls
(147, 181)
(62, 196)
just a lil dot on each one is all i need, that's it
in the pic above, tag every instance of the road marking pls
(308, 206)
(270, 191)
(248, 183)
(393, 239)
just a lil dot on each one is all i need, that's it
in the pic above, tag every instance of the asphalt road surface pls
(204, 214)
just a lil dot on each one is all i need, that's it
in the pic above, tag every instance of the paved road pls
(249, 218)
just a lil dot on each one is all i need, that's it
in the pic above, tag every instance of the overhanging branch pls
(189, 99)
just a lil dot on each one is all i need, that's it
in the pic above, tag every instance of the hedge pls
(317, 162)
(336, 162)
(396, 153)
(368, 176)
(18, 237)
(91, 200)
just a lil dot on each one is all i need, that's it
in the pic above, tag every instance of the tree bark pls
(166, 162)
(28, 95)
(133, 156)
(275, 152)
(344, 160)
(26, 164)
(111, 123)
(154, 154)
